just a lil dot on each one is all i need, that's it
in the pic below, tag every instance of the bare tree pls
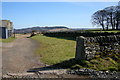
(117, 17)
(98, 18)
(108, 17)
(111, 15)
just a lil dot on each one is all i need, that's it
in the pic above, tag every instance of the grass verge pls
(55, 50)
(10, 39)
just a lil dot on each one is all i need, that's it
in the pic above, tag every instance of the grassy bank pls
(55, 50)
(10, 39)
(61, 53)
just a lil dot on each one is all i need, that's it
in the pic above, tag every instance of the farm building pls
(6, 29)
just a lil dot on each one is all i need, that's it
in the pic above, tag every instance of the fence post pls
(80, 48)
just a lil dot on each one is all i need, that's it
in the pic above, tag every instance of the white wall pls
(6, 33)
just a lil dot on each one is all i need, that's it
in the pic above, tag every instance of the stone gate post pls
(80, 48)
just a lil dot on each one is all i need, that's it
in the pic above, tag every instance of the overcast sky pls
(70, 14)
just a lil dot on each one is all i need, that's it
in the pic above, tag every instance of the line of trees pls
(107, 18)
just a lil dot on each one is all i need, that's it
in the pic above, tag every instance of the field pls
(10, 39)
(55, 50)
(98, 30)
(61, 52)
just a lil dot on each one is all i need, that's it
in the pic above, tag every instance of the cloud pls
(60, 0)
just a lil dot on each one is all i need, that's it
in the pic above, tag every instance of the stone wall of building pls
(90, 46)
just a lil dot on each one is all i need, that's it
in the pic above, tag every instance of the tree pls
(111, 15)
(98, 18)
(108, 17)
(117, 17)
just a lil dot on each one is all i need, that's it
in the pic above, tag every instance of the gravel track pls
(19, 56)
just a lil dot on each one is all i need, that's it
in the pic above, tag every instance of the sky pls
(69, 14)
(59, 0)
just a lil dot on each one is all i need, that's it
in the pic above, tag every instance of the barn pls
(6, 29)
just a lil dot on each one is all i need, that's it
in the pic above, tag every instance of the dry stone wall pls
(88, 47)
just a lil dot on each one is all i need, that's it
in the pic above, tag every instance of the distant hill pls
(76, 29)
(41, 29)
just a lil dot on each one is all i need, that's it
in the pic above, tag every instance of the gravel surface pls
(19, 56)
(46, 74)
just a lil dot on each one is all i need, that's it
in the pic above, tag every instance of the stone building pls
(6, 29)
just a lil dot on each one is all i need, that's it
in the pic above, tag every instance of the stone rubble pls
(96, 74)
(90, 73)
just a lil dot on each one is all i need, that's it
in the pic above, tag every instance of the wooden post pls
(14, 33)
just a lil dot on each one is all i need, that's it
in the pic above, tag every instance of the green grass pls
(55, 50)
(102, 64)
(98, 30)
(10, 39)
